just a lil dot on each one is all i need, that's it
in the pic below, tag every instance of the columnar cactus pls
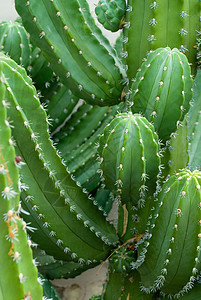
(18, 275)
(169, 258)
(130, 158)
(79, 52)
(162, 90)
(15, 42)
(128, 101)
(154, 24)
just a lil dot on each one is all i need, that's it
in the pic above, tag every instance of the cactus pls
(127, 146)
(128, 141)
(70, 53)
(158, 94)
(111, 13)
(15, 42)
(54, 179)
(160, 23)
(174, 228)
(18, 274)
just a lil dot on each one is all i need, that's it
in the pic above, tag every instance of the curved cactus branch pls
(75, 48)
(18, 275)
(54, 200)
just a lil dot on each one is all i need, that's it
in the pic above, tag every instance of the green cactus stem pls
(39, 69)
(153, 24)
(60, 105)
(77, 142)
(169, 259)
(176, 153)
(49, 291)
(111, 13)
(162, 90)
(55, 269)
(55, 202)
(129, 287)
(15, 42)
(194, 122)
(130, 158)
(76, 49)
(18, 274)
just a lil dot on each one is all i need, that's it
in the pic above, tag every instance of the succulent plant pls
(85, 126)
(111, 13)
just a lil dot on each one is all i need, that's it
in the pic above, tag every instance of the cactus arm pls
(180, 234)
(18, 274)
(49, 291)
(138, 32)
(161, 24)
(155, 94)
(123, 157)
(89, 78)
(78, 140)
(15, 42)
(192, 26)
(166, 32)
(60, 193)
(55, 269)
(83, 127)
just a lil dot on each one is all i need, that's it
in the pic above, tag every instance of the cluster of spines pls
(185, 186)
(110, 13)
(15, 42)
(19, 272)
(23, 120)
(152, 31)
(162, 90)
(97, 83)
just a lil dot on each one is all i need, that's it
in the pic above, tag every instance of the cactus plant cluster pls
(85, 125)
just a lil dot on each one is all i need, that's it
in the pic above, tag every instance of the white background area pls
(91, 281)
